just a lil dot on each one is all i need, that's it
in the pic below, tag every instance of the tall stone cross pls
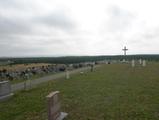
(125, 49)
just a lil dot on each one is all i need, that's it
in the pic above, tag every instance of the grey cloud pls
(17, 4)
(13, 46)
(12, 26)
(151, 34)
(18, 26)
(57, 20)
(119, 19)
(9, 3)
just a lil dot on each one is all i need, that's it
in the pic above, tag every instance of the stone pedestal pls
(54, 107)
(5, 90)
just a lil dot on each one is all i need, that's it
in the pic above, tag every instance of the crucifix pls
(125, 49)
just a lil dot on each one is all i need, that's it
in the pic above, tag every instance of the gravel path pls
(20, 86)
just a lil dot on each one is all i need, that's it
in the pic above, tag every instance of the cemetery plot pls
(20, 73)
(110, 92)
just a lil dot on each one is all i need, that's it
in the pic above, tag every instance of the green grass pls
(111, 92)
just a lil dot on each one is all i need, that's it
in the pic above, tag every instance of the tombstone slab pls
(133, 63)
(67, 75)
(144, 63)
(5, 90)
(140, 61)
(54, 107)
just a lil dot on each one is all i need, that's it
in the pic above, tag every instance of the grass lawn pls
(111, 92)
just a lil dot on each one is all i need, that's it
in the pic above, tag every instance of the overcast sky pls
(78, 27)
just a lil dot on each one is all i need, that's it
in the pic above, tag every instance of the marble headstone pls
(144, 63)
(54, 107)
(67, 74)
(133, 63)
(140, 61)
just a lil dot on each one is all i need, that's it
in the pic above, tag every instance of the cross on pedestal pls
(125, 49)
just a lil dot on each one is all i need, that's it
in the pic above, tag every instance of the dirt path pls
(20, 86)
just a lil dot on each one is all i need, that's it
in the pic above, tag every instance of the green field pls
(111, 92)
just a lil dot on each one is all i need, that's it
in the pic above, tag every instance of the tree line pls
(77, 59)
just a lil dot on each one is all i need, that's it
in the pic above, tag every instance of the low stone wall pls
(5, 90)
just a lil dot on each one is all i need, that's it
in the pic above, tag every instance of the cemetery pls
(79, 60)
(125, 91)
(20, 72)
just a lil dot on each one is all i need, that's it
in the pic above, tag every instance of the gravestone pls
(27, 82)
(5, 90)
(133, 63)
(92, 67)
(144, 63)
(67, 74)
(140, 61)
(54, 107)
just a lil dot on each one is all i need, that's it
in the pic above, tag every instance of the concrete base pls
(62, 116)
(5, 97)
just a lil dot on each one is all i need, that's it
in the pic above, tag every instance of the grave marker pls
(67, 74)
(133, 63)
(5, 90)
(140, 61)
(144, 63)
(54, 107)
(27, 82)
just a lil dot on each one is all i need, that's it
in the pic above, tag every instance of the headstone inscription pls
(5, 90)
(54, 108)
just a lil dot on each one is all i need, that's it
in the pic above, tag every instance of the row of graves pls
(5, 86)
(29, 72)
(139, 62)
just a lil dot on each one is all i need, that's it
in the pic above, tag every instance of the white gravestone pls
(133, 63)
(5, 90)
(27, 82)
(67, 75)
(140, 61)
(144, 63)
(54, 107)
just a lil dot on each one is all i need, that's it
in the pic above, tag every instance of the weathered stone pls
(140, 61)
(54, 107)
(67, 75)
(5, 90)
(133, 63)
(144, 63)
